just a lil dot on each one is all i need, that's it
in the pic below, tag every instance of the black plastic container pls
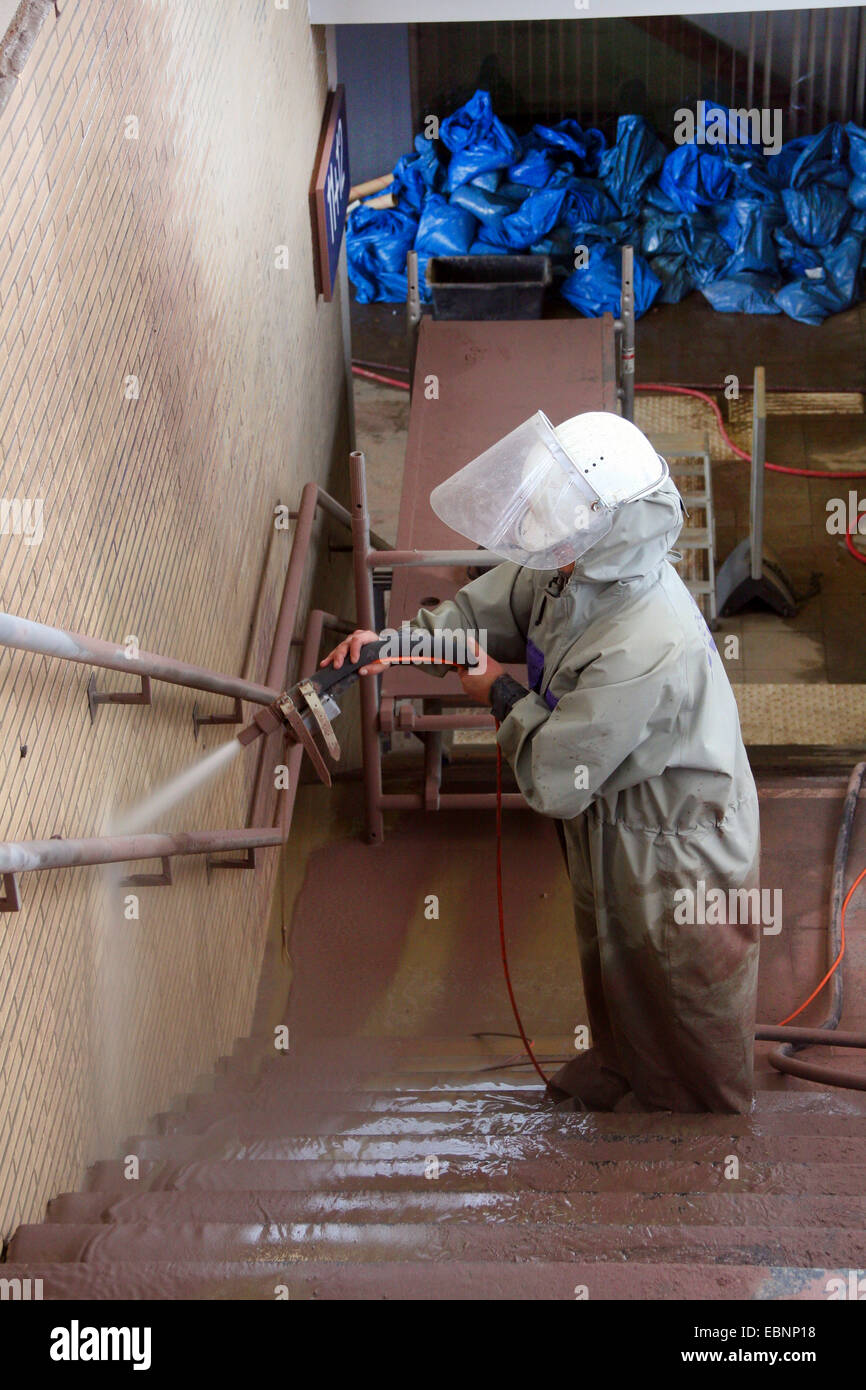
(488, 287)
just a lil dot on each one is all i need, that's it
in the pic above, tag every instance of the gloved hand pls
(477, 682)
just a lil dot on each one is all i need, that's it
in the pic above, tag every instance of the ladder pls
(688, 457)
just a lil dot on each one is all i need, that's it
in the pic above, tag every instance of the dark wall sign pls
(330, 193)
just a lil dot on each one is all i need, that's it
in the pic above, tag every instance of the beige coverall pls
(630, 737)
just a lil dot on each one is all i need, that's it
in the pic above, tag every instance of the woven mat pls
(797, 403)
(663, 414)
(832, 715)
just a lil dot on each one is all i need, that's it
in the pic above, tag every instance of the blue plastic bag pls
(587, 146)
(694, 180)
(478, 141)
(743, 294)
(378, 241)
(794, 258)
(857, 193)
(660, 233)
(489, 180)
(747, 228)
(629, 165)
(486, 206)
(707, 252)
(535, 169)
(756, 175)
(822, 159)
(559, 244)
(856, 149)
(816, 212)
(829, 289)
(587, 201)
(675, 276)
(444, 229)
(597, 289)
(416, 175)
(844, 262)
(537, 216)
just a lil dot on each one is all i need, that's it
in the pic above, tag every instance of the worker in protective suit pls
(628, 736)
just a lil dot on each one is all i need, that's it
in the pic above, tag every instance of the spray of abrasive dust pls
(145, 814)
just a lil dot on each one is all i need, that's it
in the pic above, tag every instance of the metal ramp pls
(688, 456)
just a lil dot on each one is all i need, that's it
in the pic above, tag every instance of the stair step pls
(457, 1240)
(464, 1281)
(265, 1100)
(310, 1075)
(486, 1124)
(553, 1142)
(566, 1174)
(372, 1204)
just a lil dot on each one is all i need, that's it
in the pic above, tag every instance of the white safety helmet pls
(542, 496)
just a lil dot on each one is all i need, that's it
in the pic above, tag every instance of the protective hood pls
(640, 537)
(542, 496)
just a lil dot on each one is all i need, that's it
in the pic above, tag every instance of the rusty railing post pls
(369, 693)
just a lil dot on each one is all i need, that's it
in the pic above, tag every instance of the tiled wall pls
(153, 157)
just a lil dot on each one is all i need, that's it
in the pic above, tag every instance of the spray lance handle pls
(305, 703)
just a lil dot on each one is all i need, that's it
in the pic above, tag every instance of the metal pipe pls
(627, 349)
(408, 720)
(759, 453)
(369, 697)
(817, 1071)
(27, 636)
(311, 497)
(316, 622)
(808, 1036)
(451, 558)
(340, 513)
(284, 631)
(432, 770)
(750, 66)
(33, 855)
(452, 801)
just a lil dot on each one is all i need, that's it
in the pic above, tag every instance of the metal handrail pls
(24, 635)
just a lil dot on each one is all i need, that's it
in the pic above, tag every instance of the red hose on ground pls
(657, 386)
(374, 376)
(858, 554)
(501, 907)
(742, 453)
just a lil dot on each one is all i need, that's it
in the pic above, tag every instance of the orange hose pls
(837, 962)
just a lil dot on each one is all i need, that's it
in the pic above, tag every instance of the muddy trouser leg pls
(680, 994)
(594, 1076)
(559, 827)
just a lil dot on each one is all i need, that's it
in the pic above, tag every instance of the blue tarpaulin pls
(755, 232)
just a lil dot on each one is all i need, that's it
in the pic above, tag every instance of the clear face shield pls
(528, 500)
